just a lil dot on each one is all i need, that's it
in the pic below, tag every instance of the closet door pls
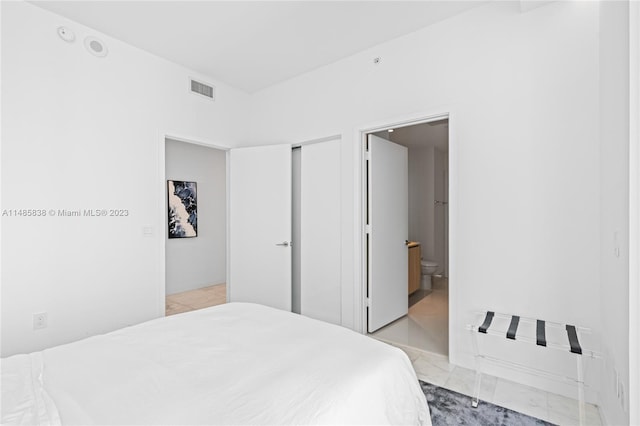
(260, 225)
(320, 237)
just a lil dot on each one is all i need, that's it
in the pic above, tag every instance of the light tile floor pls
(195, 299)
(423, 335)
(426, 327)
(434, 367)
(557, 409)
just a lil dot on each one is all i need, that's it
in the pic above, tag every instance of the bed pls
(237, 363)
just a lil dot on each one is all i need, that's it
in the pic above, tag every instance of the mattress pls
(237, 363)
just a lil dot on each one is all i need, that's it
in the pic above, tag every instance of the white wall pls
(440, 160)
(523, 92)
(81, 132)
(421, 196)
(427, 183)
(614, 216)
(201, 261)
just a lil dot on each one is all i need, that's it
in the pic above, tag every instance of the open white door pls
(388, 219)
(260, 225)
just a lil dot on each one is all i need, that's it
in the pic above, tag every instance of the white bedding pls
(231, 364)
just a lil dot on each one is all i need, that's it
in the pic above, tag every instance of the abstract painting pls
(183, 209)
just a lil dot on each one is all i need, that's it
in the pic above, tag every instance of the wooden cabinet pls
(415, 268)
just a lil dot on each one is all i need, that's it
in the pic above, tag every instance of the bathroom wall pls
(421, 196)
(427, 183)
(193, 263)
(440, 211)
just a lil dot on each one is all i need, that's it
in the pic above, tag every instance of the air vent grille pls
(203, 89)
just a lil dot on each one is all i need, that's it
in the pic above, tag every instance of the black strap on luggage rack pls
(570, 345)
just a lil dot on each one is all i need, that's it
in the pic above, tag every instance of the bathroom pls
(426, 325)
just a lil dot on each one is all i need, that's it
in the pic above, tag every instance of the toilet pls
(428, 268)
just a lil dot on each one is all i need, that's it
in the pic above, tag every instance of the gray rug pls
(453, 408)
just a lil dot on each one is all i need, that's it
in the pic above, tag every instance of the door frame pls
(161, 219)
(634, 212)
(360, 211)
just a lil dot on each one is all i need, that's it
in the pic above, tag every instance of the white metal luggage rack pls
(571, 345)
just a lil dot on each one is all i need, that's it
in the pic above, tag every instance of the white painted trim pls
(161, 175)
(239, 148)
(228, 233)
(196, 141)
(405, 121)
(320, 140)
(359, 232)
(360, 272)
(453, 237)
(634, 213)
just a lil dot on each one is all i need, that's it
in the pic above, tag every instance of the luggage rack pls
(570, 345)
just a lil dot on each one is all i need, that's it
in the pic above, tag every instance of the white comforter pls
(231, 364)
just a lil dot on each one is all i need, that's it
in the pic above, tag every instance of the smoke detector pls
(96, 47)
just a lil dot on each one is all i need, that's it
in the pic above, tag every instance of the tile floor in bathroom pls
(426, 327)
(429, 359)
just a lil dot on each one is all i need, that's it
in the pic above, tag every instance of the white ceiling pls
(253, 44)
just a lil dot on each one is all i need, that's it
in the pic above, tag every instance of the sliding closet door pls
(320, 257)
(260, 225)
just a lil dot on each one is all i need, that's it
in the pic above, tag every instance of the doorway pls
(195, 261)
(426, 323)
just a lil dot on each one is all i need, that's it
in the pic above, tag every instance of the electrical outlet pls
(40, 321)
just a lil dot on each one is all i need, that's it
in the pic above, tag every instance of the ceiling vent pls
(203, 89)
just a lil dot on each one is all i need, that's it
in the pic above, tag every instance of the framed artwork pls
(183, 209)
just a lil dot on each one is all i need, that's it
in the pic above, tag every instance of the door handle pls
(284, 244)
(406, 242)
